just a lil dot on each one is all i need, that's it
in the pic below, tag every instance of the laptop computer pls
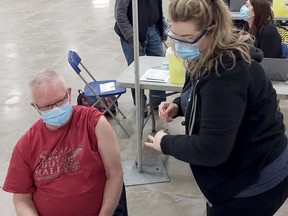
(235, 5)
(276, 69)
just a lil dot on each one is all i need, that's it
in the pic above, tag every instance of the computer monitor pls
(235, 5)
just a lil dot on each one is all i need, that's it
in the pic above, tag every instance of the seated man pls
(68, 162)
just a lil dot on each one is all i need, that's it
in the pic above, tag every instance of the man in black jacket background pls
(151, 34)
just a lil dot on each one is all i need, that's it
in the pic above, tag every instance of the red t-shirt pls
(62, 169)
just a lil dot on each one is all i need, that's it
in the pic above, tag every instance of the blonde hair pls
(225, 38)
(46, 79)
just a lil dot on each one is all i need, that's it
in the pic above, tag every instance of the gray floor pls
(36, 35)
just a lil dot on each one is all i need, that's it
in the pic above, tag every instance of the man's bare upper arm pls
(108, 146)
(20, 197)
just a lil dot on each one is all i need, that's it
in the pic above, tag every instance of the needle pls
(166, 123)
(166, 127)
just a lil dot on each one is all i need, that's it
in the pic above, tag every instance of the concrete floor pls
(36, 35)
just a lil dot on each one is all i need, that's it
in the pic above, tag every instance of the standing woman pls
(259, 22)
(235, 141)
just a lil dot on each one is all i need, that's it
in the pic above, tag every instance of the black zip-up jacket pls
(237, 129)
(124, 20)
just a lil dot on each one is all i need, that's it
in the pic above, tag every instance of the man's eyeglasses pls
(184, 40)
(49, 107)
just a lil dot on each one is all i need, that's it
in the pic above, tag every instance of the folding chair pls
(93, 89)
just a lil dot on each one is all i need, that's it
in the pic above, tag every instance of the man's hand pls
(164, 37)
(140, 47)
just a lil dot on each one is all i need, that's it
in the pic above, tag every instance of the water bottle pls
(176, 67)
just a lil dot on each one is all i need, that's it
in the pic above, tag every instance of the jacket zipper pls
(193, 108)
(192, 121)
(208, 202)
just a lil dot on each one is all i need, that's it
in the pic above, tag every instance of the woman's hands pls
(154, 142)
(167, 111)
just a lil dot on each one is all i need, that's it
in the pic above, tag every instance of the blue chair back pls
(74, 60)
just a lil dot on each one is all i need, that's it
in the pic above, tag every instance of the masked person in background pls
(259, 22)
(235, 141)
(151, 34)
(68, 162)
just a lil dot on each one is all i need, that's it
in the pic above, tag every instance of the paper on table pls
(155, 75)
(110, 86)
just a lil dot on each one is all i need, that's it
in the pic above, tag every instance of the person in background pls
(151, 35)
(235, 138)
(68, 162)
(259, 22)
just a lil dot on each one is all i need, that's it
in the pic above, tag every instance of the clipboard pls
(155, 75)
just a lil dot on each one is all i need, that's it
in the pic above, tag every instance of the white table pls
(235, 15)
(281, 89)
(127, 78)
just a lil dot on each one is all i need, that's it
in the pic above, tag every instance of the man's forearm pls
(112, 192)
(24, 205)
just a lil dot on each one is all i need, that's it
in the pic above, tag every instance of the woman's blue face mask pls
(187, 52)
(244, 13)
(185, 48)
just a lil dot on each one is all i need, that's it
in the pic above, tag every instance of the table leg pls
(152, 112)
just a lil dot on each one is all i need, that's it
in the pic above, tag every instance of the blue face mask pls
(187, 52)
(58, 116)
(244, 13)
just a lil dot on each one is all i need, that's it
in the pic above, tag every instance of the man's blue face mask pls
(187, 52)
(244, 13)
(58, 116)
